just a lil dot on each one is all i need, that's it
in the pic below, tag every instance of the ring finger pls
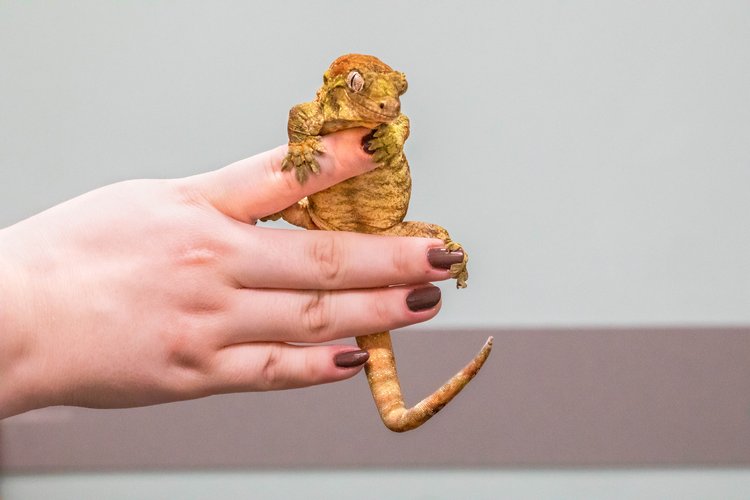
(319, 315)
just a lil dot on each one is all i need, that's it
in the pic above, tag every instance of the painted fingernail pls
(365, 142)
(351, 359)
(423, 298)
(443, 259)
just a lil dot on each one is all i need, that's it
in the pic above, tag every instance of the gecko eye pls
(355, 81)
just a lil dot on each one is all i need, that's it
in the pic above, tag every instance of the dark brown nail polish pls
(366, 139)
(351, 359)
(423, 298)
(443, 259)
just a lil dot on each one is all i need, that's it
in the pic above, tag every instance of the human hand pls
(151, 291)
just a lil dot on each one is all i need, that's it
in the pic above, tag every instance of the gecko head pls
(363, 87)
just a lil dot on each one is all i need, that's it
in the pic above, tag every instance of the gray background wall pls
(594, 157)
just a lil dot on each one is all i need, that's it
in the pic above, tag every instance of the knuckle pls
(200, 295)
(271, 375)
(401, 261)
(327, 254)
(192, 244)
(184, 348)
(316, 315)
(383, 311)
(203, 291)
(199, 254)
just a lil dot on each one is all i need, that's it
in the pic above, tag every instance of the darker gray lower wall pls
(569, 398)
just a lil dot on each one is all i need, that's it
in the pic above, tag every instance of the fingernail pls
(365, 140)
(443, 259)
(351, 359)
(423, 298)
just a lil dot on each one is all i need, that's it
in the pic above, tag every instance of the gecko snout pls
(390, 106)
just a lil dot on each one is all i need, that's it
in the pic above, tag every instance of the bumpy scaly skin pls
(362, 91)
(301, 157)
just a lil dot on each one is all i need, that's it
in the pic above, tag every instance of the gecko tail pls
(386, 390)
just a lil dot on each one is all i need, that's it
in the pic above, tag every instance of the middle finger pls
(329, 260)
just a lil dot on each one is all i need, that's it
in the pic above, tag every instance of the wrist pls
(16, 336)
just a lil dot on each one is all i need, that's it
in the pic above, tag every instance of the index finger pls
(256, 187)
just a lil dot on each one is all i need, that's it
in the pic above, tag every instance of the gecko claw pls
(301, 157)
(385, 143)
(458, 271)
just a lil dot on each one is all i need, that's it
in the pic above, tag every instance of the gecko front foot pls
(387, 142)
(301, 157)
(458, 270)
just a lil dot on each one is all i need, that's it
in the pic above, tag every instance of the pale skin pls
(152, 291)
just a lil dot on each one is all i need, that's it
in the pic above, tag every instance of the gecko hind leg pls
(297, 215)
(459, 270)
(381, 366)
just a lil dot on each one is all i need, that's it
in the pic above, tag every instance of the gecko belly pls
(374, 201)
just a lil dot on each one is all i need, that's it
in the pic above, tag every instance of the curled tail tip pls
(487, 347)
(402, 419)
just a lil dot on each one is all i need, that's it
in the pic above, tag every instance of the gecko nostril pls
(382, 105)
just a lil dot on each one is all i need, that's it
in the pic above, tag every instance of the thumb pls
(256, 187)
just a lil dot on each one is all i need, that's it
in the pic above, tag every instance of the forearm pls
(16, 335)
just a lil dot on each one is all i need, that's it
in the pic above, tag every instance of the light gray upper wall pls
(593, 157)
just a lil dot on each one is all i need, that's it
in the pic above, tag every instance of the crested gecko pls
(362, 91)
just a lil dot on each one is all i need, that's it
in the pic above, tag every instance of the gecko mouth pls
(370, 109)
